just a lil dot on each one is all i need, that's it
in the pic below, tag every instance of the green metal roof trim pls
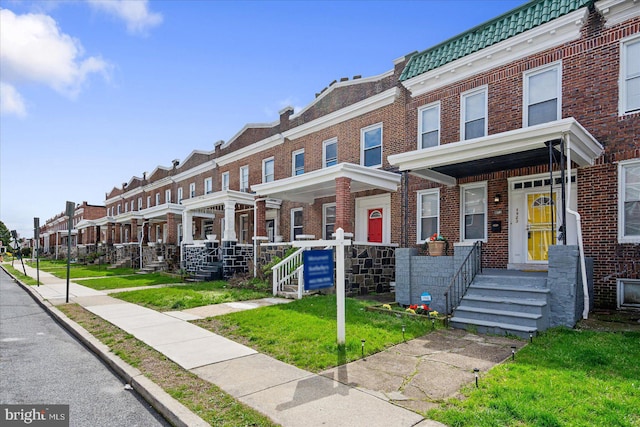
(517, 21)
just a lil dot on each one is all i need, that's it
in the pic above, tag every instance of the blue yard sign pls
(318, 269)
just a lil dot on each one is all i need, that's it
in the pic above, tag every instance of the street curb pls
(173, 411)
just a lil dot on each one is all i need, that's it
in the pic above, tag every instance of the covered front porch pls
(314, 204)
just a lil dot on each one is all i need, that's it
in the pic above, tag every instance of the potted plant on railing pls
(437, 245)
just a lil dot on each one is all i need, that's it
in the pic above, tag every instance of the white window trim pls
(621, 186)
(264, 169)
(224, 182)
(525, 90)
(148, 202)
(246, 187)
(158, 198)
(192, 190)
(208, 185)
(324, 150)
(324, 219)
(179, 200)
(292, 223)
(293, 161)
(622, 79)
(139, 203)
(243, 221)
(463, 97)
(464, 187)
(419, 195)
(362, 132)
(420, 110)
(167, 196)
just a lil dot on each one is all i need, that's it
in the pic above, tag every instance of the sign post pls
(320, 269)
(69, 211)
(36, 236)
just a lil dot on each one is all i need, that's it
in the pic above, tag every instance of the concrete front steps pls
(505, 303)
(152, 267)
(207, 273)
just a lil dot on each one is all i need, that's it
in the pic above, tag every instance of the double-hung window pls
(428, 214)
(297, 162)
(330, 152)
(474, 113)
(371, 145)
(629, 200)
(167, 196)
(268, 170)
(158, 198)
(244, 178)
(296, 222)
(225, 181)
(474, 212)
(208, 186)
(179, 195)
(139, 203)
(328, 220)
(542, 95)
(244, 228)
(429, 126)
(192, 190)
(148, 201)
(630, 76)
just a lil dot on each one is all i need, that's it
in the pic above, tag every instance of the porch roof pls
(507, 150)
(322, 183)
(219, 198)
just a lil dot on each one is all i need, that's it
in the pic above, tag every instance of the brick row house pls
(520, 134)
(54, 234)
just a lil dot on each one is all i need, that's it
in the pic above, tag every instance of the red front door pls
(374, 226)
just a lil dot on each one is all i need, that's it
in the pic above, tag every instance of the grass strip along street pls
(201, 397)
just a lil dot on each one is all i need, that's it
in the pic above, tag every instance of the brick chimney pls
(285, 113)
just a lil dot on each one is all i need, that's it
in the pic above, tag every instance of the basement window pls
(628, 293)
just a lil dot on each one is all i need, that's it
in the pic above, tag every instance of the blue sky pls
(94, 92)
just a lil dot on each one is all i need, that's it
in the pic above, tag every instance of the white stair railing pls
(286, 270)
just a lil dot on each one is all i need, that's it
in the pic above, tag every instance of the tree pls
(5, 235)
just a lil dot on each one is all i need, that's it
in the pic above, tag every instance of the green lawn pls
(17, 272)
(565, 378)
(82, 271)
(189, 296)
(303, 332)
(134, 280)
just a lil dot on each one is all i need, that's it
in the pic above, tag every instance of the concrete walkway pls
(383, 390)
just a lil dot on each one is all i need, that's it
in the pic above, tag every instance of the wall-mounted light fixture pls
(496, 198)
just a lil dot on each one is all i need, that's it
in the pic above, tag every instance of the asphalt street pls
(40, 363)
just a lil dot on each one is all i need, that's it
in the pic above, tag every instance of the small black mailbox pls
(496, 226)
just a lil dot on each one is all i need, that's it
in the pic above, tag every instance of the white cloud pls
(11, 103)
(34, 50)
(135, 13)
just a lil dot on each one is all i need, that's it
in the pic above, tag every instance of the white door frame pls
(363, 204)
(518, 211)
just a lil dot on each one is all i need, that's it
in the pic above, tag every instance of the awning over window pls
(508, 150)
(322, 183)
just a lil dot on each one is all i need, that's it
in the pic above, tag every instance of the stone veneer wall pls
(369, 268)
(199, 256)
(237, 258)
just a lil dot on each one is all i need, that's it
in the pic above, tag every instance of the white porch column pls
(229, 220)
(187, 226)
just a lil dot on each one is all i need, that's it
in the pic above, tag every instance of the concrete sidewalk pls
(286, 394)
(383, 390)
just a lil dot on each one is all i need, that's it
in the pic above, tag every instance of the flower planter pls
(436, 247)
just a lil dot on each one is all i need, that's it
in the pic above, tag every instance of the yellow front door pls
(540, 211)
